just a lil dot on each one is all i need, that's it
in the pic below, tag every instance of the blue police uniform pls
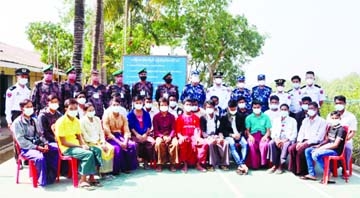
(262, 93)
(196, 92)
(242, 92)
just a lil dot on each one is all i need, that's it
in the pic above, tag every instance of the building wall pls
(33, 77)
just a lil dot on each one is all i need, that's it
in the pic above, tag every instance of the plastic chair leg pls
(350, 167)
(335, 168)
(326, 170)
(18, 171)
(74, 169)
(58, 170)
(33, 173)
(345, 174)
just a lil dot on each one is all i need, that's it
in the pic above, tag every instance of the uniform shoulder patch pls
(12, 88)
(289, 91)
(303, 87)
(318, 86)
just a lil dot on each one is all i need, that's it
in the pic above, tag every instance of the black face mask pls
(142, 78)
(168, 80)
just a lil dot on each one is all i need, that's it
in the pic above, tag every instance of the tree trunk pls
(126, 15)
(96, 35)
(102, 47)
(79, 22)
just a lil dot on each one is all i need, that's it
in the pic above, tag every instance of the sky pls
(318, 35)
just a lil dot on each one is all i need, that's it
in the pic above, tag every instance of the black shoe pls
(26, 162)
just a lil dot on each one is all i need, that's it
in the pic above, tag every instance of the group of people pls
(110, 129)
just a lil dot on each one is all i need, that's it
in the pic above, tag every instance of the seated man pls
(332, 145)
(71, 143)
(258, 127)
(192, 147)
(34, 146)
(283, 134)
(218, 147)
(232, 126)
(174, 108)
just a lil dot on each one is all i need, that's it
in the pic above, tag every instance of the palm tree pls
(96, 35)
(79, 22)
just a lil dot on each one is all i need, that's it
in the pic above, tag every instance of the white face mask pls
(164, 108)
(72, 113)
(195, 79)
(261, 82)
(284, 113)
(280, 88)
(240, 85)
(188, 108)
(232, 112)
(334, 122)
(339, 107)
(305, 107)
(172, 103)
(241, 105)
(148, 105)
(138, 106)
(90, 114)
(296, 85)
(81, 101)
(257, 111)
(28, 111)
(218, 81)
(195, 108)
(53, 106)
(115, 109)
(209, 111)
(311, 112)
(23, 81)
(274, 106)
(309, 81)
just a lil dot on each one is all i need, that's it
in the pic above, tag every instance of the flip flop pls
(172, 169)
(329, 182)
(86, 186)
(310, 177)
(95, 183)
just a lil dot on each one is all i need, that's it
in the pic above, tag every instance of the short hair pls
(24, 102)
(214, 97)
(88, 105)
(241, 98)
(314, 104)
(164, 100)
(255, 102)
(337, 113)
(148, 98)
(232, 103)
(51, 97)
(310, 72)
(80, 93)
(187, 100)
(284, 105)
(306, 98)
(69, 102)
(210, 102)
(340, 97)
(115, 99)
(137, 98)
(296, 77)
(274, 97)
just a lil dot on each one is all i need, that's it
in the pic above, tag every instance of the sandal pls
(329, 182)
(158, 168)
(86, 186)
(172, 168)
(95, 183)
(224, 168)
(310, 177)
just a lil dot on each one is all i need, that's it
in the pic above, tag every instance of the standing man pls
(142, 88)
(167, 89)
(194, 89)
(122, 89)
(295, 95)
(44, 88)
(96, 94)
(314, 91)
(16, 94)
(241, 91)
(219, 90)
(284, 98)
(261, 93)
(69, 88)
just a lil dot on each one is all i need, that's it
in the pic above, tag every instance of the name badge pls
(96, 95)
(166, 95)
(121, 95)
(142, 92)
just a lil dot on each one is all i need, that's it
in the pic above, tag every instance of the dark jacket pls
(225, 124)
(203, 124)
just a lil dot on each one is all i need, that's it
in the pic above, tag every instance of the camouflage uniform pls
(142, 89)
(40, 93)
(196, 92)
(125, 95)
(166, 90)
(245, 92)
(98, 97)
(68, 91)
(262, 94)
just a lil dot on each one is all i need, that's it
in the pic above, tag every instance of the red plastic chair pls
(73, 168)
(335, 159)
(32, 167)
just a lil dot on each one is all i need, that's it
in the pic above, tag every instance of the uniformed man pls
(219, 90)
(295, 95)
(15, 94)
(121, 89)
(194, 89)
(261, 92)
(284, 97)
(69, 88)
(167, 89)
(96, 94)
(314, 91)
(44, 88)
(241, 91)
(142, 88)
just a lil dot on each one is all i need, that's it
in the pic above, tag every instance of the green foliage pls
(54, 43)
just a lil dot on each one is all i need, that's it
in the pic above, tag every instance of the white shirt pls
(284, 98)
(174, 111)
(14, 95)
(222, 92)
(312, 130)
(295, 100)
(153, 111)
(273, 114)
(315, 92)
(210, 125)
(284, 129)
(92, 131)
(347, 119)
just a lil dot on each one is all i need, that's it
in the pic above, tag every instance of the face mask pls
(48, 77)
(305, 107)
(72, 76)
(53, 106)
(142, 78)
(261, 82)
(195, 79)
(311, 112)
(232, 112)
(81, 101)
(95, 79)
(241, 105)
(339, 107)
(173, 103)
(90, 114)
(119, 80)
(274, 106)
(138, 106)
(168, 80)
(195, 108)
(257, 111)
(115, 109)
(240, 85)
(28, 111)
(309, 81)
(164, 108)
(209, 111)
(296, 85)
(188, 108)
(72, 113)
(284, 113)
(218, 81)
(334, 122)
(23, 81)
(280, 88)
(148, 105)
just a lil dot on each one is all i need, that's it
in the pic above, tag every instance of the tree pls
(79, 23)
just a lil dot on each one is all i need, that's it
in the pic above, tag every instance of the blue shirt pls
(237, 93)
(135, 124)
(196, 92)
(262, 95)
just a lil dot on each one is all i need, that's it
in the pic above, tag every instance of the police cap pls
(72, 68)
(142, 71)
(166, 75)
(118, 72)
(241, 78)
(280, 82)
(218, 74)
(22, 71)
(261, 77)
(48, 68)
